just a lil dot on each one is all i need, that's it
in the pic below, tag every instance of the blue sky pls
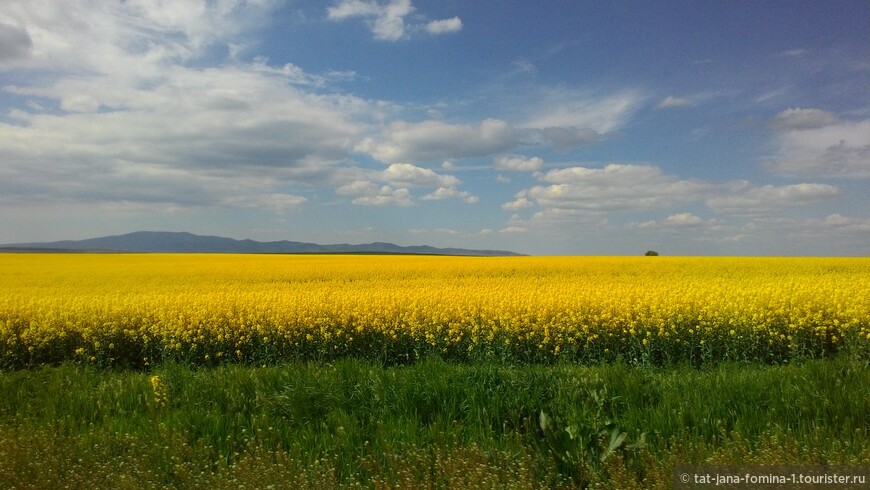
(561, 127)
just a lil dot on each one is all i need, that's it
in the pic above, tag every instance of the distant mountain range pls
(182, 242)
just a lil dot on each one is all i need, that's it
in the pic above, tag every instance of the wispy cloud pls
(567, 118)
(388, 21)
(794, 53)
(671, 101)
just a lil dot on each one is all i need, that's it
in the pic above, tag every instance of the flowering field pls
(140, 310)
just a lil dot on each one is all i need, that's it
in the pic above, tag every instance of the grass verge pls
(353, 423)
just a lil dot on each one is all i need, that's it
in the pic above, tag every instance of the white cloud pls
(437, 140)
(794, 53)
(386, 195)
(840, 222)
(625, 180)
(521, 202)
(274, 201)
(450, 193)
(833, 234)
(410, 175)
(671, 101)
(576, 200)
(523, 65)
(15, 43)
(369, 194)
(674, 221)
(253, 120)
(562, 138)
(565, 108)
(130, 37)
(443, 26)
(743, 198)
(354, 8)
(616, 187)
(393, 185)
(566, 118)
(682, 219)
(127, 98)
(513, 229)
(518, 163)
(297, 76)
(791, 119)
(387, 21)
(423, 231)
(811, 143)
(573, 108)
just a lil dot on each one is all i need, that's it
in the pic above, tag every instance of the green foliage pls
(580, 447)
(428, 424)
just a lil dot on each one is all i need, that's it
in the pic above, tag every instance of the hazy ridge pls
(183, 242)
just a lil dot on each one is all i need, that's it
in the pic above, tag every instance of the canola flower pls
(142, 309)
(158, 390)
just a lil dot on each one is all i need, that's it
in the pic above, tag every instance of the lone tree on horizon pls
(651, 253)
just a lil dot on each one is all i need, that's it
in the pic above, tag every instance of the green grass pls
(353, 423)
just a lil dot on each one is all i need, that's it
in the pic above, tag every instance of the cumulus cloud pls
(387, 21)
(744, 198)
(797, 118)
(438, 140)
(411, 175)
(450, 193)
(370, 194)
(616, 187)
(814, 142)
(840, 222)
(513, 229)
(135, 37)
(579, 194)
(518, 163)
(682, 219)
(517, 204)
(252, 120)
(672, 222)
(133, 113)
(15, 43)
(129, 113)
(838, 234)
(443, 26)
(393, 185)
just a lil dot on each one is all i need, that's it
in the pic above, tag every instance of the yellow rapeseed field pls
(142, 309)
